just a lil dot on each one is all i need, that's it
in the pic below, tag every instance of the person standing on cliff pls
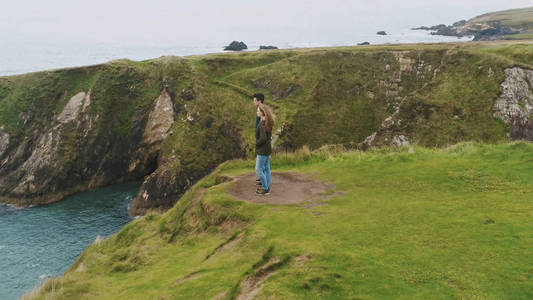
(263, 148)
(258, 100)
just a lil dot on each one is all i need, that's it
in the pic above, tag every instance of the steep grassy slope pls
(511, 17)
(348, 94)
(436, 94)
(54, 148)
(412, 223)
(432, 95)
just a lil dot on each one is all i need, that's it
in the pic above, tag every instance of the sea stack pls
(236, 46)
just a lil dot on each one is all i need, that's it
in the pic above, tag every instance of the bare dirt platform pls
(285, 187)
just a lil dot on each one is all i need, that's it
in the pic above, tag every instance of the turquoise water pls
(43, 241)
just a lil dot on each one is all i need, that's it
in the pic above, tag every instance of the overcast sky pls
(188, 22)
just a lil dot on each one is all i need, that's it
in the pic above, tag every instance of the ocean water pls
(18, 57)
(43, 241)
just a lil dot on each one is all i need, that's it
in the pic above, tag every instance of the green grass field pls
(412, 223)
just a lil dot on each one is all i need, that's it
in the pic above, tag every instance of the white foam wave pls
(45, 275)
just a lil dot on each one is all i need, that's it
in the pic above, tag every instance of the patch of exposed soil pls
(253, 284)
(285, 187)
(227, 245)
(187, 278)
(199, 195)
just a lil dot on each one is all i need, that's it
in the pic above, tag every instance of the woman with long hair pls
(263, 148)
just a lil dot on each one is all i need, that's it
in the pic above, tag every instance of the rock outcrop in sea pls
(236, 46)
(262, 47)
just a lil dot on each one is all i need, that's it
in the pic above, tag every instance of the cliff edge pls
(170, 121)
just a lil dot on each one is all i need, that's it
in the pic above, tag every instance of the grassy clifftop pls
(511, 17)
(411, 223)
(431, 95)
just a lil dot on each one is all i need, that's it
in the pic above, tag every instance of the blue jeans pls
(262, 167)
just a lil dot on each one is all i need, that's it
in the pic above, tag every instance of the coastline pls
(51, 57)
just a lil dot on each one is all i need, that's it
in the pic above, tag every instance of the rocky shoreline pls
(487, 32)
(500, 25)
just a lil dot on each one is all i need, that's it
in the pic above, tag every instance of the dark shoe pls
(262, 192)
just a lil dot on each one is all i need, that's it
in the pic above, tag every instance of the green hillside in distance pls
(520, 19)
(396, 223)
(501, 25)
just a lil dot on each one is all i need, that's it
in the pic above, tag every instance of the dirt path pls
(286, 188)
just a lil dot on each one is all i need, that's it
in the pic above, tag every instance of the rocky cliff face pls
(157, 128)
(4, 141)
(200, 139)
(71, 154)
(35, 174)
(109, 130)
(514, 107)
(515, 104)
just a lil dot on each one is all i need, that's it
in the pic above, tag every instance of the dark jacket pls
(262, 139)
(257, 119)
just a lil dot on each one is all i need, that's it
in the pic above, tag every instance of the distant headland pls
(502, 25)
